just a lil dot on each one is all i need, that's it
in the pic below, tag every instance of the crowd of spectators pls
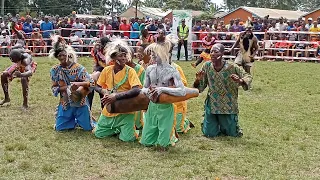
(202, 28)
(81, 33)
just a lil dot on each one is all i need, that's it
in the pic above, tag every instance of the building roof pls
(311, 12)
(153, 12)
(157, 12)
(273, 13)
(219, 14)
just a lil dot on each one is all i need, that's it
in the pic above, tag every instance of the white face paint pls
(117, 61)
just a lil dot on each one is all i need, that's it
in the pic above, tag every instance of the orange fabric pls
(107, 80)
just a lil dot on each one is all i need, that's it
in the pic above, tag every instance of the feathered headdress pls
(59, 45)
(163, 49)
(115, 47)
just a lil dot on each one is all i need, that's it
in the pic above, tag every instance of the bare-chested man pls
(23, 68)
(248, 47)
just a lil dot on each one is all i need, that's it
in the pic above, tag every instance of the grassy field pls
(279, 117)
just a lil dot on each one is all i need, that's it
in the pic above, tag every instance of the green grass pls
(279, 117)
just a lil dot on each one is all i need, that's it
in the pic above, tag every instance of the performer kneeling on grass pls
(73, 108)
(221, 105)
(23, 67)
(119, 81)
(160, 78)
(183, 125)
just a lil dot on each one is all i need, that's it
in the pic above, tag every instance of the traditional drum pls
(141, 101)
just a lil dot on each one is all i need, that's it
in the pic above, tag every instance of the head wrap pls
(59, 45)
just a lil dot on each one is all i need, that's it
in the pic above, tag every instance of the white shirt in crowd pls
(4, 39)
(282, 27)
(272, 29)
(308, 26)
(78, 26)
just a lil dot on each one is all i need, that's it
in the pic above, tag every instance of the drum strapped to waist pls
(141, 101)
(82, 91)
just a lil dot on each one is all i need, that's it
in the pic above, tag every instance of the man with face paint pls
(248, 48)
(120, 82)
(221, 105)
(161, 77)
(183, 125)
(23, 67)
(65, 77)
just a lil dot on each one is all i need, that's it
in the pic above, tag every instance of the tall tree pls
(274, 4)
(197, 5)
(112, 7)
(153, 3)
(13, 6)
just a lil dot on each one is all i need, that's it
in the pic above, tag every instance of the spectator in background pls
(78, 26)
(64, 24)
(314, 29)
(237, 27)
(94, 27)
(115, 25)
(4, 41)
(134, 27)
(281, 26)
(300, 46)
(197, 26)
(230, 24)
(46, 28)
(183, 33)
(124, 26)
(257, 27)
(18, 26)
(105, 29)
(152, 27)
(75, 42)
(27, 27)
(36, 40)
(41, 20)
(202, 32)
(145, 38)
(309, 24)
(303, 29)
(87, 41)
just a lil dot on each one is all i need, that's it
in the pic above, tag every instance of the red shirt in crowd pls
(125, 27)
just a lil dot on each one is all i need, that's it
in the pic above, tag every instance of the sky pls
(219, 2)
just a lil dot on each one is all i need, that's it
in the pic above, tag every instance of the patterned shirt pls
(223, 91)
(61, 76)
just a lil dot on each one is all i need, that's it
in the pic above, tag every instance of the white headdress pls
(163, 48)
(59, 45)
(117, 46)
